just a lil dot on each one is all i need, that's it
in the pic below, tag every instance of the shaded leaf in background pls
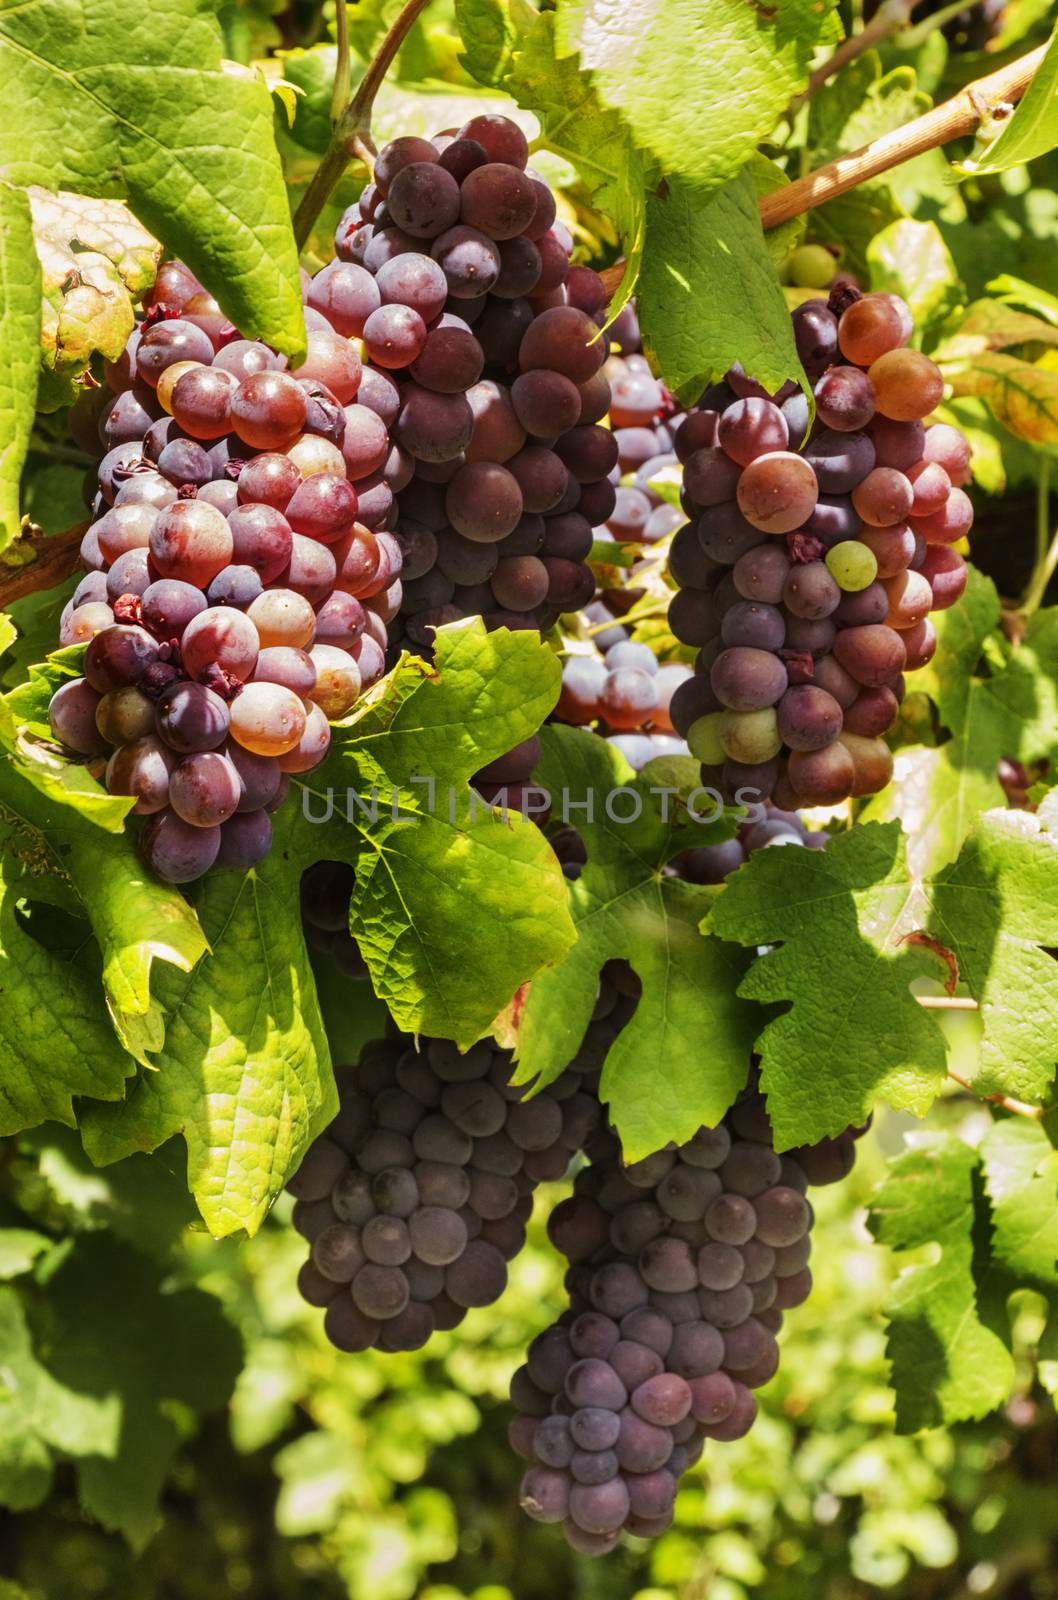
(40, 1415)
(997, 702)
(947, 1365)
(911, 259)
(853, 1033)
(683, 1057)
(143, 1200)
(136, 1350)
(1020, 1168)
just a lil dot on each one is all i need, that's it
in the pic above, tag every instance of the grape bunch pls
(417, 1195)
(485, 342)
(626, 691)
(815, 555)
(681, 1267)
(239, 578)
(644, 418)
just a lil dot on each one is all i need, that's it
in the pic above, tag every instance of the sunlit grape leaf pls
(19, 321)
(947, 1365)
(40, 1415)
(453, 908)
(244, 1072)
(95, 260)
(911, 259)
(708, 294)
(996, 909)
(66, 825)
(997, 702)
(992, 325)
(852, 1033)
(138, 105)
(1020, 1167)
(746, 65)
(689, 1025)
(575, 124)
(136, 1349)
(19, 1248)
(1031, 131)
(1023, 395)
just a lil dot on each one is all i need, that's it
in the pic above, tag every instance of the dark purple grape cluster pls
(485, 343)
(239, 574)
(417, 1195)
(814, 556)
(681, 1267)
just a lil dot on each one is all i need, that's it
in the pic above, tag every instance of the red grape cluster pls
(417, 1195)
(815, 556)
(681, 1267)
(626, 691)
(485, 342)
(645, 418)
(239, 578)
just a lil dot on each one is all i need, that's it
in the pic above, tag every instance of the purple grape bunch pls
(488, 342)
(682, 1265)
(814, 555)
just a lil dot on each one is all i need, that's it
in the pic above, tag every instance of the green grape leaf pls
(40, 1414)
(689, 1024)
(708, 293)
(19, 1249)
(746, 65)
(56, 1039)
(996, 910)
(139, 106)
(1021, 394)
(574, 123)
(947, 1364)
(95, 260)
(853, 1033)
(1020, 1167)
(992, 325)
(136, 920)
(143, 1200)
(137, 1349)
(244, 1074)
(20, 289)
(911, 259)
(996, 701)
(244, 1071)
(1031, 131)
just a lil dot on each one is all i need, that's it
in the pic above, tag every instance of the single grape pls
(177, 851)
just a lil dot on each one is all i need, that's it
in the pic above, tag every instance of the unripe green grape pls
(852, 565)
(703, 739)
(811, 266)
(751, 737)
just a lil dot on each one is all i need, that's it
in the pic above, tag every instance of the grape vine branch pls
(352, 130)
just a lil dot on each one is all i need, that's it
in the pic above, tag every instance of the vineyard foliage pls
(167, 1055)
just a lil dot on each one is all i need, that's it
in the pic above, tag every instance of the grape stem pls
(890, 16)
(1019, 1108)
(32, 564)
(956, 117)
(993, 96)
(1046, 547)
(352, 129)
(340, 93)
